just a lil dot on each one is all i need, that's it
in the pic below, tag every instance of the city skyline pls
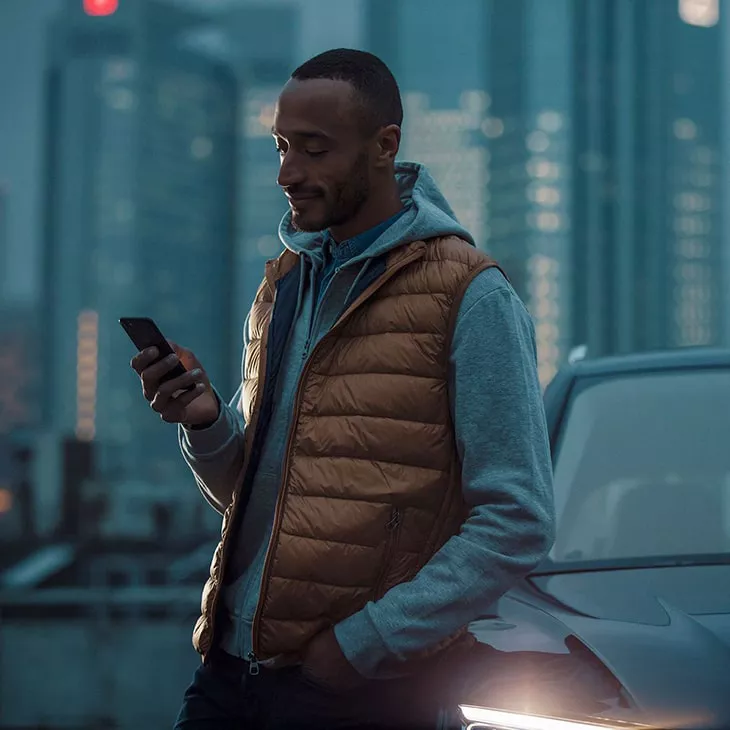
(528, 160)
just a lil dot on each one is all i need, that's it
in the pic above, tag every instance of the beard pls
(341, 205)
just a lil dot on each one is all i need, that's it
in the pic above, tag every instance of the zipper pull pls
(253, 664)
(394, 520)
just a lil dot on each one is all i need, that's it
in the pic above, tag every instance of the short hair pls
(371, 79)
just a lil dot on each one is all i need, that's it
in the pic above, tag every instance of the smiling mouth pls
(301, 198)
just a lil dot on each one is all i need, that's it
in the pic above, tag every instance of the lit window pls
(544, 195)
(119, 69)
(542, 265)
(548, 222)
(704, 13)
(86, 374)
(685, 129)
(493, 127)
(475, 100)
(704, 155)
(538, 167)
(692, 202)
(550, 121)
(547, 333)
(537, 141)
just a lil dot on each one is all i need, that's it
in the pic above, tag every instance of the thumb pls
(187, 357)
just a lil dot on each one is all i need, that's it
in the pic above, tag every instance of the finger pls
(175, 411)
(153, 374)
(165, 393)
(143, 359)
(182, 382)
(187, 357)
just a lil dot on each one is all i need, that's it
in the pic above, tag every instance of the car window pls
(642, 468)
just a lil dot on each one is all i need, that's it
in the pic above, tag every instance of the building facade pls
(139, 219)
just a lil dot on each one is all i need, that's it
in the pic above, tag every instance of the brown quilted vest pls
(371, 482)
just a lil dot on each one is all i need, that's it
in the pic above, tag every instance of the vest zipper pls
(253, 664)
(290, 438)
(392, 527)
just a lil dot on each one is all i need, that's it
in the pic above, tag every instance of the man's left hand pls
(325, 664)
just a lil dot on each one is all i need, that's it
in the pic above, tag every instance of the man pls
(383, 471)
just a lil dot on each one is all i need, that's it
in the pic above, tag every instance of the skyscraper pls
(435, 52)
(139, 220)
(529, 61)
(485, 86)
(648, 120)
(260, 44)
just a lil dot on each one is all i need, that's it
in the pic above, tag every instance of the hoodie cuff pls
(206, 442)
(361, 643)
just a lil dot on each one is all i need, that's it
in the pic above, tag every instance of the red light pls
(100, 7)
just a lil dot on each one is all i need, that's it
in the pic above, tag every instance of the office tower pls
(486, 100)
(529, 62)
(435, 52)
(139, 221)
(265, 42)
(649, 85)
(259, 43)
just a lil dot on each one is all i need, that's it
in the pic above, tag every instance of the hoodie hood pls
(427, 215)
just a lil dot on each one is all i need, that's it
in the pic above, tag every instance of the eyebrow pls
(304, 135)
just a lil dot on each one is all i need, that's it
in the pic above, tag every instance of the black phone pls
(145, 333)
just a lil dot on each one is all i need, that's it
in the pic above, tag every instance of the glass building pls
(581, 144)
(259, 44)
(139, 220)
(486, 102)
(647, 163)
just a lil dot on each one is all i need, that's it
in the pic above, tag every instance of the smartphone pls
(145, 333)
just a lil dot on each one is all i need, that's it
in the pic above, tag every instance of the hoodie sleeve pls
(501, 435)
(215, 454)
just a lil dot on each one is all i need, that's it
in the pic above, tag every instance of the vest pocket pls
(392, 528)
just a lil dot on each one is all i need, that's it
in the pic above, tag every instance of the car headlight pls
(486, 718)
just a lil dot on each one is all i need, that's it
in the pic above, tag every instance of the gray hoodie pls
(500, 429)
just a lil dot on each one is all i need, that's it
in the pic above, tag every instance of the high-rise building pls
(649, 82)
(435, 52)
(139, 220)
(529, 62)
(260, 44)
(486, 100)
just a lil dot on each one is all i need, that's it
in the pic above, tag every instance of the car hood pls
(663, 633)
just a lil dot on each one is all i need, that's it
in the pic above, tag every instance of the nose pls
(290, 171)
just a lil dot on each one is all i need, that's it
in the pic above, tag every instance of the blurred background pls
(583, 142)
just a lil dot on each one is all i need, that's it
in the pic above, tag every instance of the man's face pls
(325, 157)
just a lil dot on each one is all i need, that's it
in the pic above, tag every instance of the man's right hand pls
(197, 407)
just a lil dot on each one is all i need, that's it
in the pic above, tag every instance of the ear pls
(387, 144)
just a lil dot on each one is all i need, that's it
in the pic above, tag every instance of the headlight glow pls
(503, 720)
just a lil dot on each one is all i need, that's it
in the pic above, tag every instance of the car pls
(627, 621)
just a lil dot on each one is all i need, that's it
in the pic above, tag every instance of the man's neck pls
(367, 219)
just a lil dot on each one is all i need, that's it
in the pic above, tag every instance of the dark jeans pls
(224, 696)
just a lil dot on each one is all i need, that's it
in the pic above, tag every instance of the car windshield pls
(642, 469)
